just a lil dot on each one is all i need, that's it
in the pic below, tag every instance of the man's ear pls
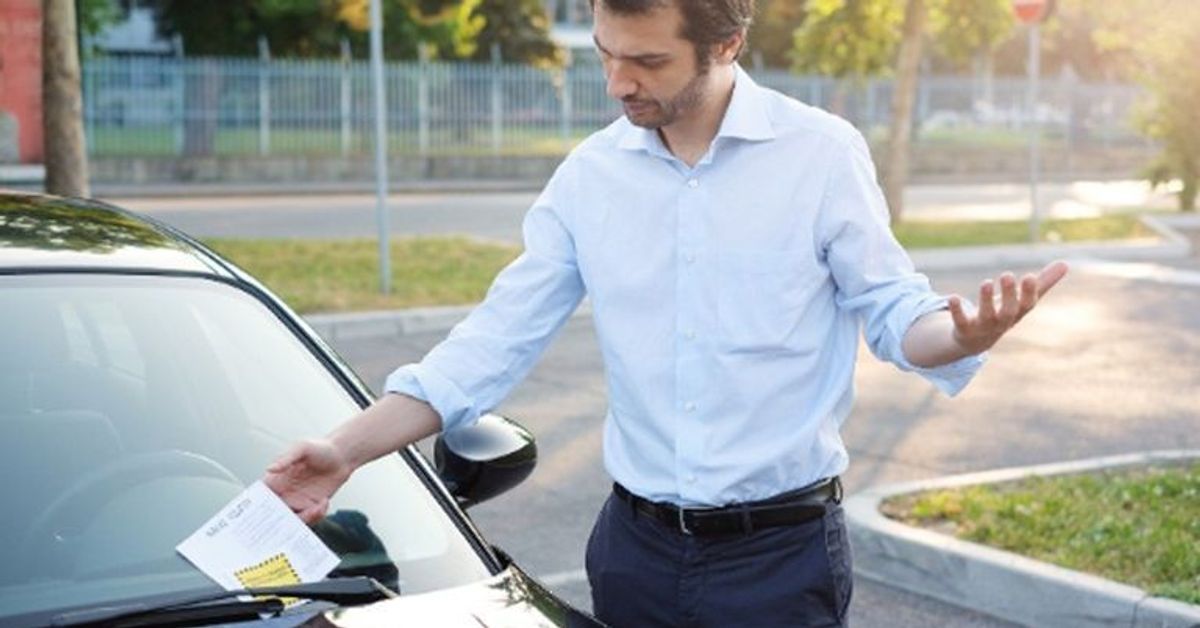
(728, 50)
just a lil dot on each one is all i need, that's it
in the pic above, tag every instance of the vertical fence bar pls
(264, 97)
(564, 129)
(423, 100)
(179, 81)
(497, 101)
(345, 101)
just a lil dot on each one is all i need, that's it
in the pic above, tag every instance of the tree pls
(521, 29)
(771, 35)
(65, 154)
(903, 96)
(847, 39)
(315, 28)
(962, 30)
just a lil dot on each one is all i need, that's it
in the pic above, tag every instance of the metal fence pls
(218, 106)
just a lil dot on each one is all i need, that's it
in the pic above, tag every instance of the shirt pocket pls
(762, 297)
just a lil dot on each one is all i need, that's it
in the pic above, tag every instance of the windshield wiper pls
(198, 610)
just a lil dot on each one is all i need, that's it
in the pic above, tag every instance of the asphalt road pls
(1105, 366)
(497, 215)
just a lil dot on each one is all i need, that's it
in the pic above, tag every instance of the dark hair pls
(706, 23)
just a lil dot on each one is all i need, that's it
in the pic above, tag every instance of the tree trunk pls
(62, 102)
(900, 134)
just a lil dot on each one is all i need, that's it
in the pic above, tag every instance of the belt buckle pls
(683, 528)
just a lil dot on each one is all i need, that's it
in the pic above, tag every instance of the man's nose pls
(620, 83)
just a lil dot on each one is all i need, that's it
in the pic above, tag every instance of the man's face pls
(649, 67)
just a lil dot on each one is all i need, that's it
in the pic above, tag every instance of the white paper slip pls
(257, 541)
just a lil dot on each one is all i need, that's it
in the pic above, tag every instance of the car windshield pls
(132, 408)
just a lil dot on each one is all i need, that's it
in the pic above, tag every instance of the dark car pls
(145, 382)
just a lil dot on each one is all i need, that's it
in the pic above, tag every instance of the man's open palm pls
(977, 331)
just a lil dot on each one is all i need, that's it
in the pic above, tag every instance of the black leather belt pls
(790, 508)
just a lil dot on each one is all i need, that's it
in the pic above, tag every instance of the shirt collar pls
(746, 118)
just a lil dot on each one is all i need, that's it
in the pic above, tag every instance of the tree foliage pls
(521, 29)
(847, 39)
(771, 35)
(315, 28)
(963, 29)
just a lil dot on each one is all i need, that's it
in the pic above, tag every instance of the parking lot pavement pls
(1106, 365)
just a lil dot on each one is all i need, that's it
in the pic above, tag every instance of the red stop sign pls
(1029, 11)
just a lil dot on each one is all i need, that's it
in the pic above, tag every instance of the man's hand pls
(977, 332)
(312, 471)
(307, 476)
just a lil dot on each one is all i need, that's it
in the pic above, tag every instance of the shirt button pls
(691, 479)
(689, 334)
(693, 183)
(689, 406)
(689, 258)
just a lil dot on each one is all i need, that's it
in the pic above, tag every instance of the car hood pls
(510, 599)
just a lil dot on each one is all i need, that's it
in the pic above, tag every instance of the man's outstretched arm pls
(309, 473)
(944, 336)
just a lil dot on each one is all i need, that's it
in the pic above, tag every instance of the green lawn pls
(342, 275)
(917, 235)
(1138, 527)
(474, 141)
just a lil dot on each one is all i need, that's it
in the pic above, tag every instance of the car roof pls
(41, 233)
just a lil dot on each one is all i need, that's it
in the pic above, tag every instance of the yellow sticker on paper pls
(274, 571)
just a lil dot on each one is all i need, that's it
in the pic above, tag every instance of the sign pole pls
(381, 141)
(1035, 130)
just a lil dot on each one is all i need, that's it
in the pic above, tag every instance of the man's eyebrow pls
(648, 56)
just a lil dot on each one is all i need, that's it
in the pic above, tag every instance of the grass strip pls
(1140, 527)
(930, 234)
(343, 275)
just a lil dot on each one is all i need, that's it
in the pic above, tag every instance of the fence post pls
(264, 97)
(564, 127)
(497, 101)
(1066, 87)
(345, 100)
(180, 94)
(423, 99)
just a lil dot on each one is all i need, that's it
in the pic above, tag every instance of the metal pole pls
(345, 94)
(381, 140)
(423, 99)
(497, 101)
(1035, 39)
(264, 97)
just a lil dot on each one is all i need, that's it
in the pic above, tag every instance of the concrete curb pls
(1170, 245)
(996, 582)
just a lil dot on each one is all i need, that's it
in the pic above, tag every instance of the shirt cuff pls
(950, 378)
(420, 382)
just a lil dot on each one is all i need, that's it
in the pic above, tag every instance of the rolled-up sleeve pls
(486, 355)
(874, 275)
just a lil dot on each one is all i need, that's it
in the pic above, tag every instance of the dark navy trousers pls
(645, 574)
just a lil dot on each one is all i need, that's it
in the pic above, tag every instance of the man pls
(732, 242)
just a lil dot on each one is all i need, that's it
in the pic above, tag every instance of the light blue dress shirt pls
(727, 299)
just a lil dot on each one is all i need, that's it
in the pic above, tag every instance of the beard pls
(654, 113)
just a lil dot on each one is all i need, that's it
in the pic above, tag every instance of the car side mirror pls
(484, 460)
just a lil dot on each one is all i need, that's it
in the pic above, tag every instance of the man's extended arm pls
(943, 336)
(312, 471)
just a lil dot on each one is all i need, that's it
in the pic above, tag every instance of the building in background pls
(21, 82)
